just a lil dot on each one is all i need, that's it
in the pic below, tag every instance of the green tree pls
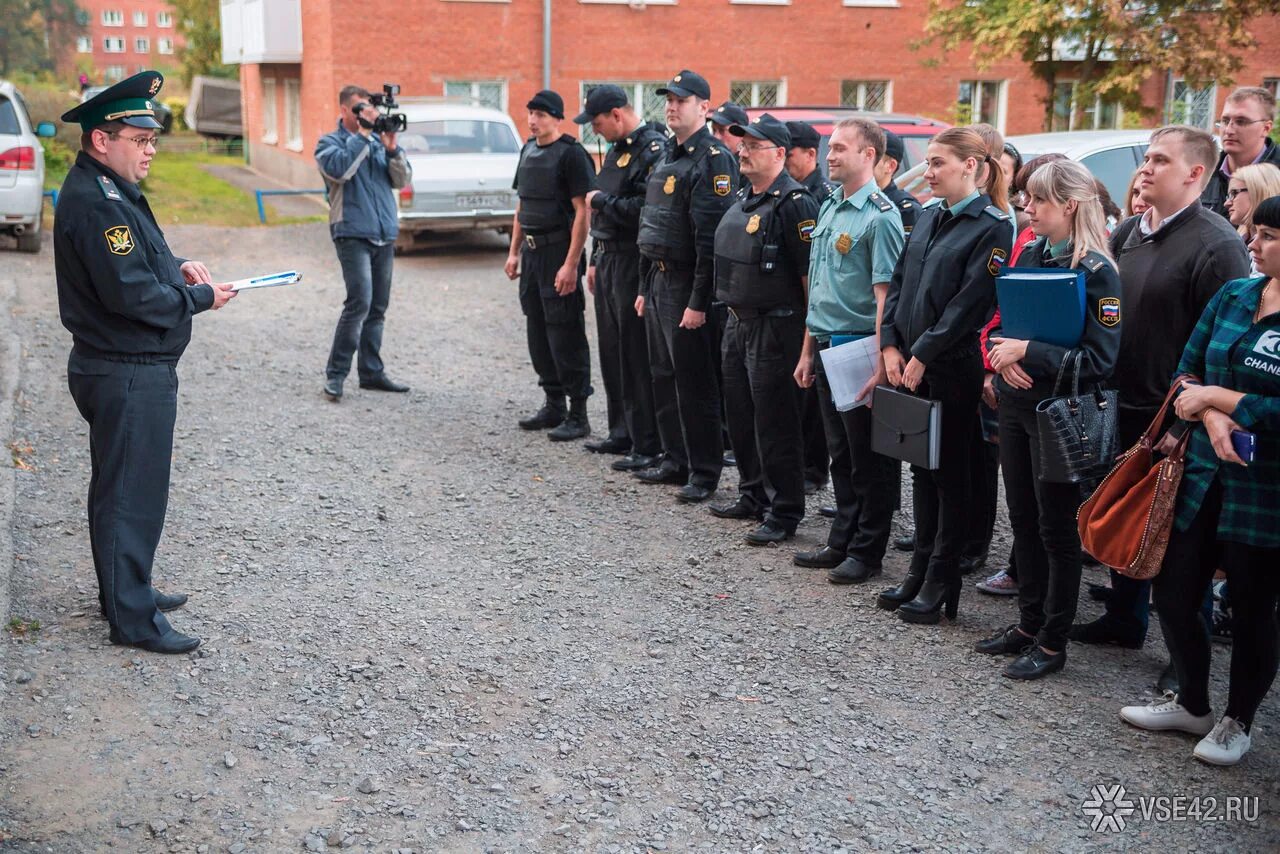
(35, 33)
(202, 31)
(1111, 47)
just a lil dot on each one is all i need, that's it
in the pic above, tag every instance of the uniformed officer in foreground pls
(855, 249)
(614, 274)
(908, 206)
(548, 234)
(762, 271)
(128, 302)
(690, 189)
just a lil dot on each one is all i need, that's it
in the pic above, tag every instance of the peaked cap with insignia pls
(131, 101)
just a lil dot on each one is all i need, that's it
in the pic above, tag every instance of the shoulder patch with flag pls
(996, 261)
(722, 184)
(805, 227)
(1109, 311)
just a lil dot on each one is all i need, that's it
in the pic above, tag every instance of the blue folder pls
(1042, 304)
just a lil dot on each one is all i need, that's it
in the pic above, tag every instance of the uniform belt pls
(753, 313)
(617, 245)
(671, 266)
(84, 351)
(550, 238)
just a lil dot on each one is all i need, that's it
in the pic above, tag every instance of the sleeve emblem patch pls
(1109, 311)
(996, 261)
(805, 228)
(722, 185)
(119, 240)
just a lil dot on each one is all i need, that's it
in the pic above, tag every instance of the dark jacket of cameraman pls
(359, 175)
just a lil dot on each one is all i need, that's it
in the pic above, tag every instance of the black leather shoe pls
(164, 602)
(729, 459)
(333, 389)
(905, 544)
(1168, 681)
(894, 597)
(574, 427)
(769, 532)
(939, 595)
(171, 643)
(823, 558)
(1035, 663)
(663, 474)
(550, 415)
(635, 462)
(383, 383)
(1107, 630)
(610, 445)
(691, 493)
(741, 508)
(852, 571)
(827, 510)
(1007, 642)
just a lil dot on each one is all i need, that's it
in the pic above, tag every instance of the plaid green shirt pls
(1228, 349)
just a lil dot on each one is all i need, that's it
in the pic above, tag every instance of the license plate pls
(482, 200)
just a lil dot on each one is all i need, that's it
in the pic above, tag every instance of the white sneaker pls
(1226, 745)
(999, 584)
(1167, 713)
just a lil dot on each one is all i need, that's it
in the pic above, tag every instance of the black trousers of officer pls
(718, 319)
(555, 324)
(624, 348)
(686, 398)
(130, 409)
(759, 363)
(817, 462)
(866, 484)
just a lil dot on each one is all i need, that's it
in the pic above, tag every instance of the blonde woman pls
(1249, 187)
(1070, 223)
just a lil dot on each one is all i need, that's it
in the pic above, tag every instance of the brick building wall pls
(123, 37)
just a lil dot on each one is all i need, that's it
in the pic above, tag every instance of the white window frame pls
(474, 85)
(1097, 108)
(113, 44)
(270, 114)
(84, 44)
(164, 19)
(112, 18)
(635, 90)
(139, 18)
(293, 114)
(862, 89)
(142, 44)
(754, 101)
(164, 45)
(1002, 100)
(1212, 113)
(114, 73)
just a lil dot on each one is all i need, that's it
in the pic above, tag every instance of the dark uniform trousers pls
(685, 395)
(817, 462)
(866, 484)
(759, 360)
(624, 349)
(130, 408)
(718, 319)
(555, 324)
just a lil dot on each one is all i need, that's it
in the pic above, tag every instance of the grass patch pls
(180, 192)
(24, 629)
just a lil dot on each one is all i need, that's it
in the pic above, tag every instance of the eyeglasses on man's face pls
(141, 141)
(1237, 121)
(754, 147)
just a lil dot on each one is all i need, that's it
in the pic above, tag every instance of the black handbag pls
(1077, 433)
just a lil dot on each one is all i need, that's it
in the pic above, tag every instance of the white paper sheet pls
(272, 281)
(848, 368)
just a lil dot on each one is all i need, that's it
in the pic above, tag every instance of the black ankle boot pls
(550, 415)
(906, 591)
(575, 426)
(940, 592)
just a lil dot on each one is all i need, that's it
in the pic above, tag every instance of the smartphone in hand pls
(1244, 443)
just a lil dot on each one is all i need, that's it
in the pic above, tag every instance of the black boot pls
(941, 592)
(906, 591)
(575, 426)
(550, 415)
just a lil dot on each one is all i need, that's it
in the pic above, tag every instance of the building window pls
(293, 114)
(758, 93)
(643, 95)
(113, 45)
(164, 19)
(981, 101)
(164, 45)
(1190, 106)
(84, 44)
(112, 18)
(1070, 114)
(270, 124)
(873, 95)
(483, 93)
(142, 45)
(113, 73)
(139, 19)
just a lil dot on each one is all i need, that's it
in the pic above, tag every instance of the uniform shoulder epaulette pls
(109, 189)
(909, 203)
(1093, 261)
(796, 194)
(656, 145)
(993, 211)
(881, 202)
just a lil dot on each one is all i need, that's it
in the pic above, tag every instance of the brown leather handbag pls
(1126, 523)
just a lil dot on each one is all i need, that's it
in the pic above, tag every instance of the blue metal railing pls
(52, 194)
(262, 211)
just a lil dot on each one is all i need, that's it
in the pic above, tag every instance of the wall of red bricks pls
(131, 60)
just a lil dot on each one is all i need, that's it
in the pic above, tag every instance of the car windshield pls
(459, 136)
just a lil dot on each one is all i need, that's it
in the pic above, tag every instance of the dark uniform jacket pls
(1214, 195)
(121, 292)
(689, 190)
(943, 288)
(621, 183)
(908, 206)
(762, 247)
(818, 186)
(1100, 342)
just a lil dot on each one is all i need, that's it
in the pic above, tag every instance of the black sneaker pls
(1107, 630)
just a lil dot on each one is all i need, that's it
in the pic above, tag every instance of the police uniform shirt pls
(577, 173)
(120, 290)
(908, 206)
(619, 213)
(856, 245)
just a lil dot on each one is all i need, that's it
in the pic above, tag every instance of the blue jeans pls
(366, 269)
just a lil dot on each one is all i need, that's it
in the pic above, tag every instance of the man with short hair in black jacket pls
(1247, 119)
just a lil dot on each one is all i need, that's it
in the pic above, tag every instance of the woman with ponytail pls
(941, 295)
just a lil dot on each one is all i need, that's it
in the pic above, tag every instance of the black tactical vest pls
(617, 175)
(665, 232)
(542, 209)
(752, 267)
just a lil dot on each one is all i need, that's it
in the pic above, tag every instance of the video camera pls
(387, 122)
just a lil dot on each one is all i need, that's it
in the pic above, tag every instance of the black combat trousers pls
(624, 349)
(555, 324)
(817, 461)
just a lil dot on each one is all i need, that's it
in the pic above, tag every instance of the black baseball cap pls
(893, 145)
(549, 102)
(803, 135)
(687, 83)
(729, 113)
(601, 100)
(765, 127)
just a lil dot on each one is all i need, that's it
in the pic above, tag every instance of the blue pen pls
(273, 277)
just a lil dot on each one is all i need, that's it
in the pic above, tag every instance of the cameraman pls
(360, 170)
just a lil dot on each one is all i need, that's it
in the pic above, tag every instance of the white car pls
(1112, 156)
(21, 170)
(464, 160)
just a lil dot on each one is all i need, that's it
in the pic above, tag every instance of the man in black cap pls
(803, 165)
(762, 273)
(689, 190)
(548, 234)
(614, 274)
(908, 206)
(128, 302)
(723, 118)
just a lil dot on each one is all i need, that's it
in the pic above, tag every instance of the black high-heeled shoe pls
(906, 591)
(938, 595)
